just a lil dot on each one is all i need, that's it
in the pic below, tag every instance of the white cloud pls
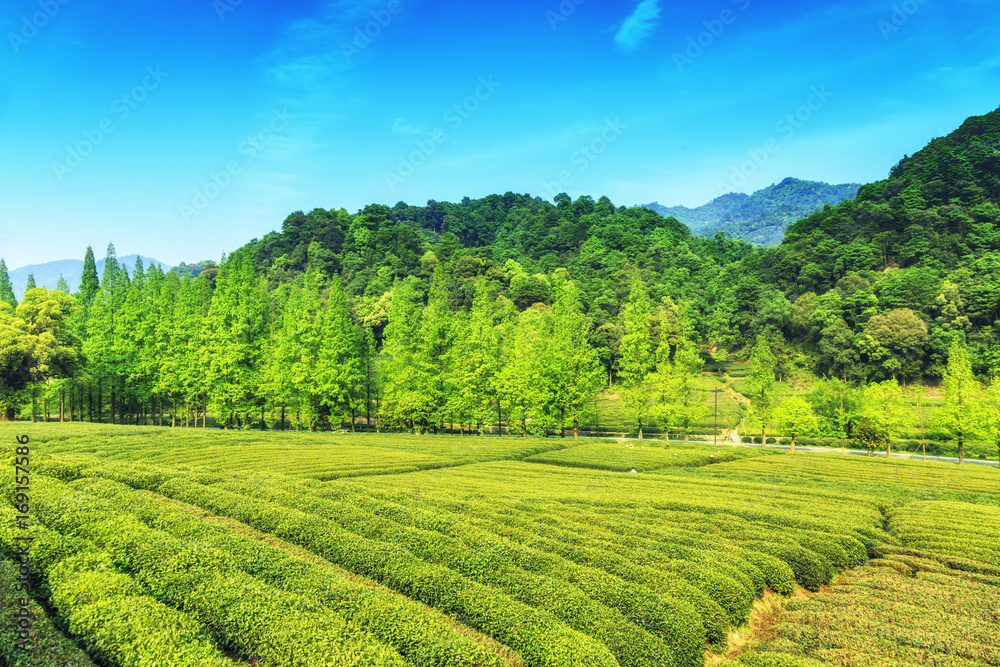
(637, 27)
(400, 126)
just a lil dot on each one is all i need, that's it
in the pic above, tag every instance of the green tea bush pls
(45, 644)
(811, 570)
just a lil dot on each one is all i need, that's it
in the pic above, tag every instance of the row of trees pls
(873, 415)
(148, 344)
(152, 344)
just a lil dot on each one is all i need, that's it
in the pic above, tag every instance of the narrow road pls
(917, 456)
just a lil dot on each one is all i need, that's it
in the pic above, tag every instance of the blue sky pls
(181, 130)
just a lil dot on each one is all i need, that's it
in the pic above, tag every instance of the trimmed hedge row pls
(118, 621)
(491, 561)
(420, 635)
(731, 584)
(257, 619)
(46, 645)
(809, 568)
(673, 619)
(670, 585)
(106, 610)
(536, 635)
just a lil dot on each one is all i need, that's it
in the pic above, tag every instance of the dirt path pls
(765, 615)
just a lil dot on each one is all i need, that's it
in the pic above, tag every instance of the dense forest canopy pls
(514, 303)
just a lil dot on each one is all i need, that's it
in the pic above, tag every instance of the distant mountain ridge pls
(47, 274)
(763, 217)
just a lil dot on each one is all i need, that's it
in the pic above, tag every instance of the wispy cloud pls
(400, 126)
(639, 26)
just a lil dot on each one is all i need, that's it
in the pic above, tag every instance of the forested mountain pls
(47, 275)
(760, 218)
(511, 307)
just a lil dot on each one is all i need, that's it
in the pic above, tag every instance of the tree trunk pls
(34, 408)
(793, 442)
(640, 430)
(282, 416)
(961, 448)
(576, 429)
(62, 403)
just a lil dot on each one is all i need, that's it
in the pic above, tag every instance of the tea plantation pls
(184, 547)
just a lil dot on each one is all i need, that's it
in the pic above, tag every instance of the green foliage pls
(962, 413)
(636, 359)
(6, 290)
(882, 413)
(795, 417)
(45, 644)
(761, 381)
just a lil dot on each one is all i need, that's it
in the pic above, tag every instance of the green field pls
(158, 546)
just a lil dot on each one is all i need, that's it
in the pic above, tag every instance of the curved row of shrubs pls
(44, 644)
(421, 636)
(105, 609)
(254, 618)
(536, 635)
(485, 559)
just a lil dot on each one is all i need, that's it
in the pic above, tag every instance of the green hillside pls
(763, 217)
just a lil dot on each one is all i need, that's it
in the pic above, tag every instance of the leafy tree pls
(869, 435)
(636, 356)
(883, 409)
(404, 402)
(435, 341)
(475, 362)
(836, 403)
(525, 381)
(575, 372)
(235, 335)
(31, 282)
(6, 290)
(993, 414)
(35, 345)
(795, 417)
(678, 368)
(760, 382)
(338, 368)
(961, 416)
(89, 284)
(61, 285)
(103, 346)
